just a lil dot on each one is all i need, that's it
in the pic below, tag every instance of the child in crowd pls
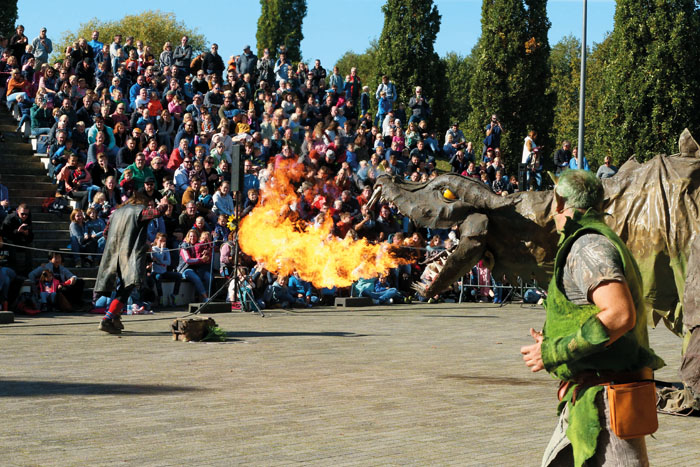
(221, 230)
(127, 185)
(204, 199)
(161, 262)
(95, 227)
(100, 205)
(364, 100)
(47, 288)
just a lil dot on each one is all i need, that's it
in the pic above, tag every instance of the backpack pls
(59, 205)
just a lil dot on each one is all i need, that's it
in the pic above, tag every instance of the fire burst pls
(273, 235)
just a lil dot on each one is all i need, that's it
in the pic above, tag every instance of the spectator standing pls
(166, 56)
(266, 68)
(318, 73)
(43, 47)
(95, 43)
(562, 157)
(247, 62)
(573, 162)
(115, 52)
(494, 131)
(212, 63)
(420, 108)
(528, 146)
(18, 43)
(182, 56)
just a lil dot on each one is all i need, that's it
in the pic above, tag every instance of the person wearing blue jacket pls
(301, 290)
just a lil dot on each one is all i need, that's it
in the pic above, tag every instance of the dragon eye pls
(447, 194)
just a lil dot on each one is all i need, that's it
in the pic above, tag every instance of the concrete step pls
(13, 160)
(24, 194)
(55, 219)
(42, 225)
(52, 234)
(17, 148)
(43, 185)
(31, 170)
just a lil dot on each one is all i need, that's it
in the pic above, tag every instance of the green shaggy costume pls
(575, 339)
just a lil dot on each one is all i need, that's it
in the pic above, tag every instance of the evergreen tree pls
(565, 68)
(8, 18)
(511, 74)
(406, 53)
(280, 24)
(652, 84)
(458, 71)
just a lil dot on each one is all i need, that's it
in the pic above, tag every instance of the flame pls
(272, 235)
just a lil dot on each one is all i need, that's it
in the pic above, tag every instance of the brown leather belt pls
(598, 378)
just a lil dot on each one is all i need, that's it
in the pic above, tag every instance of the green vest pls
(630, 352)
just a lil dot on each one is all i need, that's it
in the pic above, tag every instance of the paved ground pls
(418, 385)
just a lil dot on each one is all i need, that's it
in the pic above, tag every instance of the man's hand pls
(532, 354)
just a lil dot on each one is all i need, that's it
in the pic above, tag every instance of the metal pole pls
(582, 92)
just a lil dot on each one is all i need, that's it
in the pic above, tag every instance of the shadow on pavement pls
(250, 334)
(18, 388)
(498, 380)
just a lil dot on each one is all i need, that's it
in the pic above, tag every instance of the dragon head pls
(485, 221)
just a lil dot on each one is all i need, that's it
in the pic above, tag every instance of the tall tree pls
(154, 28)
(407, 55)
(8, 17)
(511, 74)
(279, 24)
(458, 71)
(565, 66)
(652, 83)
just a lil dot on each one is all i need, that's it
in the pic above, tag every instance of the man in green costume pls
(595, 331)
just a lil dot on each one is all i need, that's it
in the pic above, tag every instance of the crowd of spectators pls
(124, 117)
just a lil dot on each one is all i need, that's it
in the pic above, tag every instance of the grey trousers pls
(610, 450)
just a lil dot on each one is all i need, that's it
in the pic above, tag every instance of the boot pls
(107, 325)
(117, 320)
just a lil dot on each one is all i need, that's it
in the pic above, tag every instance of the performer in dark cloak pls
(123, 264)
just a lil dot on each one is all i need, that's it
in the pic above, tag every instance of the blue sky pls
(330, 28)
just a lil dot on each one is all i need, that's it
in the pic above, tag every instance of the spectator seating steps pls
(27, 181)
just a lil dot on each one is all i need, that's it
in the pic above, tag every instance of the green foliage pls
(280, 23)
(565, 66)
(406, 52)
(8, 17)
(651, 83)
(511, 74)
(366, 64)
(154, 28)
(458, 71)
(215, 334)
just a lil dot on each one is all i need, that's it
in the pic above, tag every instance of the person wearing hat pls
(247, 62)
(149, 189)
(42, 47)
(212, 63)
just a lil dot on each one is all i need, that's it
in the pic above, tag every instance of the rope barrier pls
(45, 250)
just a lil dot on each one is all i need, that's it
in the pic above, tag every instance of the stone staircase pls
(24, 173)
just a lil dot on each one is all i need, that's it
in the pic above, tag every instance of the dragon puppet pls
(652, 206)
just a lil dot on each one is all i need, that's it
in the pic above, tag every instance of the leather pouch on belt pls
(633, 409)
